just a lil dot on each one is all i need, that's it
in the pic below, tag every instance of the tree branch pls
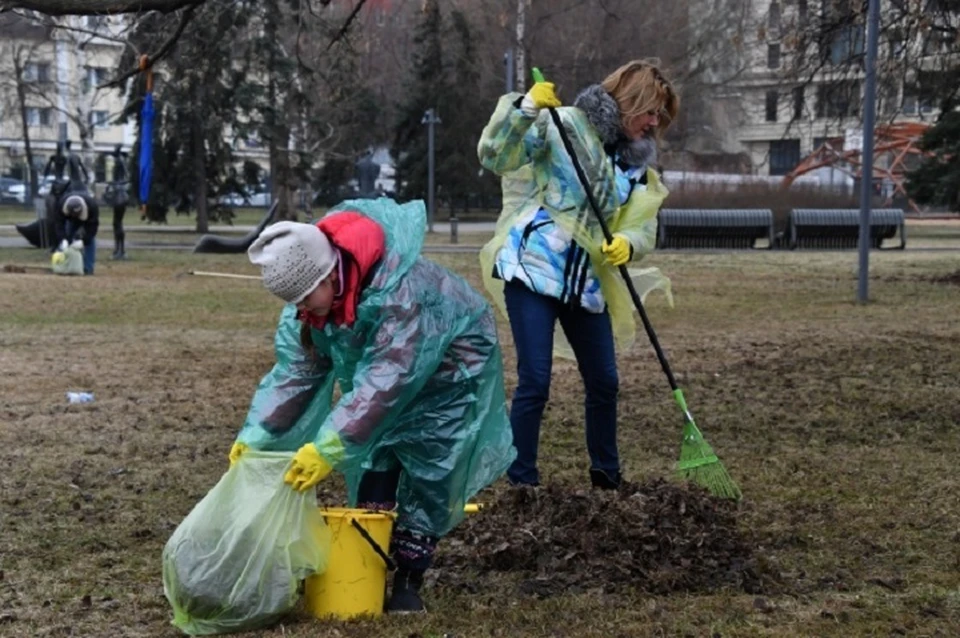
(160, 53)
(96, 7)
(346, 25)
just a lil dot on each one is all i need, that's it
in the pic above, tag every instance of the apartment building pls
(62, 72)
(804, 82)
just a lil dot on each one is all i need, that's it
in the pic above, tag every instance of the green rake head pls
(698, 463)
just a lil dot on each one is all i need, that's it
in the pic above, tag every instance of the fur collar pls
(604, 115)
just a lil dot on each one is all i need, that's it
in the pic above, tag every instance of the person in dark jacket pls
(117, 196)
(78, 214)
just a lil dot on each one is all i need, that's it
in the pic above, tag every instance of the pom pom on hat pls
(293, 258)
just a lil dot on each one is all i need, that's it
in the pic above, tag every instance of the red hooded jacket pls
(361, 243)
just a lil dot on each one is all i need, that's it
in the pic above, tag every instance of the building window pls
(36, 72)
(798, 102)
(898, 44)
(843, 45)
(773, 19)
(96, 23)
(920, 97)
(802, 12)
(96, 76)
(99, 119)
(819, 141)
(887, 97)
(784, 156)
(39, 116)
(839, 99)
(772, 98)
(773, 56)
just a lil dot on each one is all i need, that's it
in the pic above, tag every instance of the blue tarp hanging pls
(146, 147)
(146, 135)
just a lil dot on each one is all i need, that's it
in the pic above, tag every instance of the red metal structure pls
(894, 145)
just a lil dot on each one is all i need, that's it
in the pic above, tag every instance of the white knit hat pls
(293, 258)
(75, 206)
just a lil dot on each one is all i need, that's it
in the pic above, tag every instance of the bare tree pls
(822, 44)
(96, 7)
(20, 79)
(20, 56)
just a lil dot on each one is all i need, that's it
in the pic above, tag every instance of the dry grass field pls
(839, 421)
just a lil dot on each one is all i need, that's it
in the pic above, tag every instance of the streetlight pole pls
(509, 66)
(430, 119)
(866, 170)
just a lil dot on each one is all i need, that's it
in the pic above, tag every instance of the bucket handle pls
(374, 544)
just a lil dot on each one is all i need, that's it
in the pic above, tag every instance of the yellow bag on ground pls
(236, 561)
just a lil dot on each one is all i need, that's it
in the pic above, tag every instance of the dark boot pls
(120, 251)
(604, 481)
(405, 597)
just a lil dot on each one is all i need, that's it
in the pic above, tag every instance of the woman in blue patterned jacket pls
(548, 260)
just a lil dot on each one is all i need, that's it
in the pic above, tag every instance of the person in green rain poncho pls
(421, 423)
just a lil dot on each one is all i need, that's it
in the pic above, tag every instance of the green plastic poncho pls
(421, 378)
(536, 172)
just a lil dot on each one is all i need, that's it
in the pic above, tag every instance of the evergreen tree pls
(461, 176)
(429, 89)
(937, 179)
(194, 110)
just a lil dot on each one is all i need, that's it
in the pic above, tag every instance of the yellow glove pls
(541, 95)
(236, 450)
(544, 95)
(617, 251)
(308, 469)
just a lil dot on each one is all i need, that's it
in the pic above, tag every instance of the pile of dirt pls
(952, 279)
(658, 537)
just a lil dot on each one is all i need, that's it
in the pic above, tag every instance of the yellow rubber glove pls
(308, 469)
(236, 451)
(544, 95)
(617, 251)
(541, 95)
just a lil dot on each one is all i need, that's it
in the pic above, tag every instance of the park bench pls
(839, 228)
(714, 228)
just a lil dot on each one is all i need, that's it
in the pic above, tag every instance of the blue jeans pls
(532, 319)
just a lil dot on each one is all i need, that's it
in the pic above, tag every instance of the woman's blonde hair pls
(639, 86)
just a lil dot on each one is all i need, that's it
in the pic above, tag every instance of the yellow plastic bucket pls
(356, 577)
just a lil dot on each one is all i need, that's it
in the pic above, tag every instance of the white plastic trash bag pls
(236, 561)
(68, 259)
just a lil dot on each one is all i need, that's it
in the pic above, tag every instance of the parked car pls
(12, 191)
(43, 189)
(257, 196)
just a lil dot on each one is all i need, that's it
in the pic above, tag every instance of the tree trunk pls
(28, 151)
(521, 78)
(281, 175)
(200, 174)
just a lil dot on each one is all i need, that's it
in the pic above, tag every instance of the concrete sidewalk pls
(222, 229)
(106, 244)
